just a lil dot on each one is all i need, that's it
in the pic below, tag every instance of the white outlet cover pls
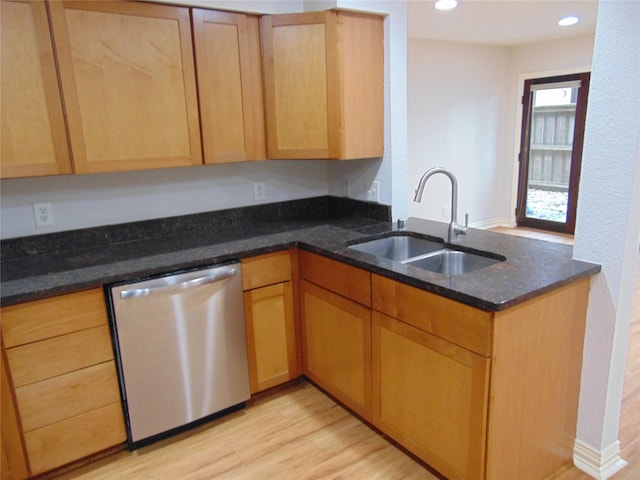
(373, 194)
(259, 192)
(43, 214)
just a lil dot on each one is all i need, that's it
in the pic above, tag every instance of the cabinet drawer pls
(345, 280)
(51, 317)
(74, 438)
(41, 360)
(67, 395)
(460, 324)
(266, 270)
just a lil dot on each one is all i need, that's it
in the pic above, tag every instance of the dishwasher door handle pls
(216, 276)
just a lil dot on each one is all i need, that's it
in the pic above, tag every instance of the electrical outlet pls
(259, 192)
(373, 194)
(43, 214)
(445, 212)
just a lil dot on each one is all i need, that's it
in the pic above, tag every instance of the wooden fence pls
(551, 147)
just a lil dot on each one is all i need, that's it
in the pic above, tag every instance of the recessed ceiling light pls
(568, 21)
(446, 4)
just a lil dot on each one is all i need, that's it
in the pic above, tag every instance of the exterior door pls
(554, 111)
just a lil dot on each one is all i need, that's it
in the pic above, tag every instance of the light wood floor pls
(297, 434)
(300, 433)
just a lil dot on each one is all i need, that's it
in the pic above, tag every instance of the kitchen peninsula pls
(494, 354)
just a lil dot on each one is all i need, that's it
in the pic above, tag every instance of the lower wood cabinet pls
(65, 384)
(14, 459)
(336, 346)
(270, 320)
(431, 396)
(335, 312)
(476, 394)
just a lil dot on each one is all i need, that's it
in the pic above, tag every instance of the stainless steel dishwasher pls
(181, 349)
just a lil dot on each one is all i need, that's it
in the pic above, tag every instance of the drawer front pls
(41, 319)
(351, 282)
(460, 324)
(266, 270)
(41, 360)
(67, 395)
(76, 437)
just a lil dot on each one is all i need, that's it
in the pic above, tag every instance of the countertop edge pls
(323, 239)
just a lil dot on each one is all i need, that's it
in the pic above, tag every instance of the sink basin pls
(398, 247)
(429, 255)
(452, 262)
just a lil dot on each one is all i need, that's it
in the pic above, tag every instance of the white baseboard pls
(492, 223)
(601, 465)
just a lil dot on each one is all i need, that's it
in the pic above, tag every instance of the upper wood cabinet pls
(128, 82)
(34, 139)
(227, 47)
(323, 79)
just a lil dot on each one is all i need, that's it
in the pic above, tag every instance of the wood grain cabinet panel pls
(267, 269)
(128, 81)
(323, 77)
(227, 47)
(75, 438)
(14, 464)
(38, 361)
(23, 323)
(346, 280)
(34, 138)
(535, 377)
(270, 317)
(271, 338)
(431, 396)
(336, 346)
(456, 322)
(63, 378)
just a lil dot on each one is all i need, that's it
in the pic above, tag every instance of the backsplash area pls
(304, 210)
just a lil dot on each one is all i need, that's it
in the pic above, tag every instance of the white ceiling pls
(500, 22)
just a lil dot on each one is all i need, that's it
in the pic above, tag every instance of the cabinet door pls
(324, 85)
(229, 85)
(300, 76)
(431, 396)
(336, 343)
(128, 81)
(14, 460)
(34, 139)
(271, 342)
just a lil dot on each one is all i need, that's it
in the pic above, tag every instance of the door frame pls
(576, 153)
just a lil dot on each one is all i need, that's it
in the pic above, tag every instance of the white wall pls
(607, 230)
(457, 113)
(83, 201)
(464, 114)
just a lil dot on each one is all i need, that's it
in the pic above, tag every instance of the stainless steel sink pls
(429, 255)
(452, 262)
(398, 247)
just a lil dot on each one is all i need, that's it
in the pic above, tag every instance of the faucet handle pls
(466, 220)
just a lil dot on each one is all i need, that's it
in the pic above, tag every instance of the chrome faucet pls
(455, 228)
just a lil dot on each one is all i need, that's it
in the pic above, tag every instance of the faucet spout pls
(455, 228)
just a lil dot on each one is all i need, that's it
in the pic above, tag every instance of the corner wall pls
(457, 119)
(608, 231)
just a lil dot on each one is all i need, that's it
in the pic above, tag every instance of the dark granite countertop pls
(31, 270)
